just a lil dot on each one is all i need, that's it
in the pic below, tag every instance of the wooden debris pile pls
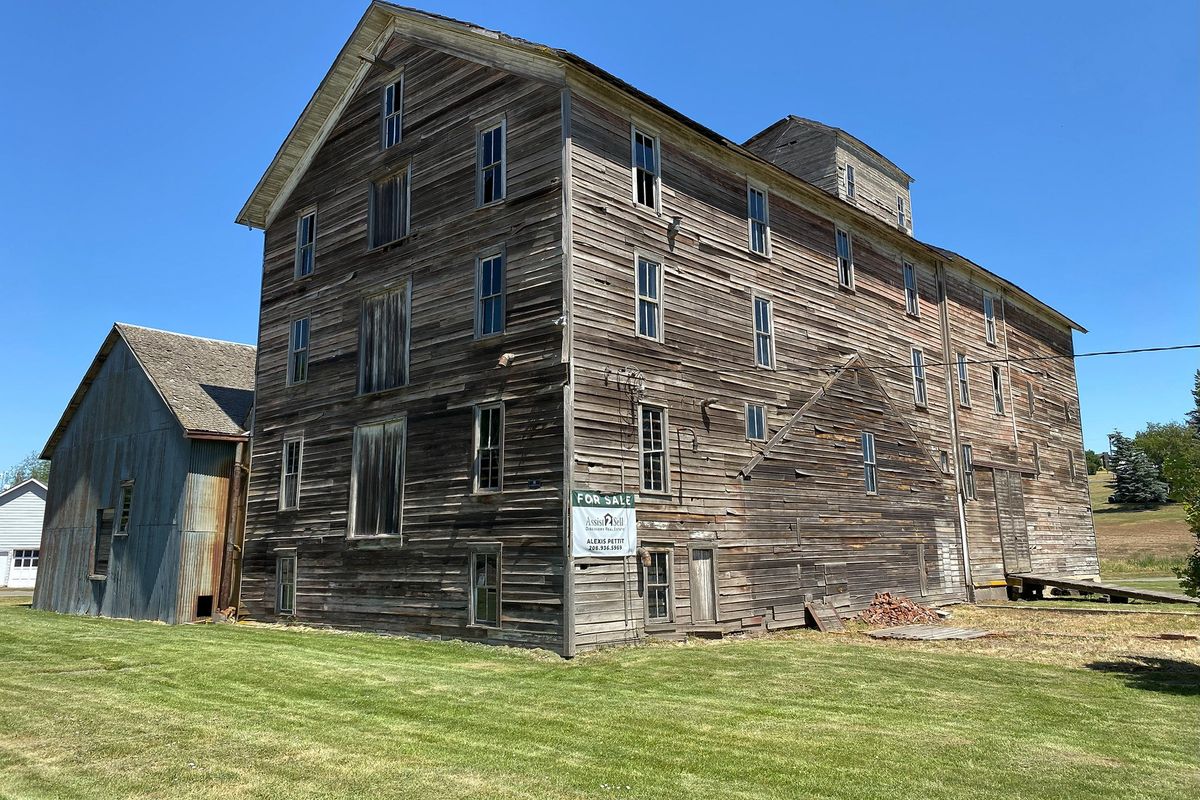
(890, 609)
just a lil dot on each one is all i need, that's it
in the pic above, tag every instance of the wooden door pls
(1010, 513)
(703, 592)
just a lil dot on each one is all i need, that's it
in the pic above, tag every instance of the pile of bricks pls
(890, 609)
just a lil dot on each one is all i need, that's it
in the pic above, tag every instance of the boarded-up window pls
(968, 472)
(870, 476)
(393, 112)
(845, 257)
(489, 447)
(389, 209)
(306, 243)
(102, 550)
(654, 449)
(649, 299)
(485, 587)
(285, 585)
(297, 371)
(289, 479)
(920, 391)
(126, 507)
(377, 479)
(383, 341)
(912, 301)
(657, 576)
(764, 333)
(489, 293)
(756, 211)
(490, 164)
(645, 169)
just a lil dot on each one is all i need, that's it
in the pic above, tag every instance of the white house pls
(21, 510)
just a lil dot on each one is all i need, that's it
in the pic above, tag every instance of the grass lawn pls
(96, 708)
(1135, 541)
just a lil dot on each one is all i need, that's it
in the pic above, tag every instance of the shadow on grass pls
(1155, 674)
(1126, 508)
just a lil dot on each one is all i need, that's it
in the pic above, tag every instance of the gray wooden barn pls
(146, 500)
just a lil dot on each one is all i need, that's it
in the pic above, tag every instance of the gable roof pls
(206, 384)
(382, 19)
(27, 485)
(792, 120)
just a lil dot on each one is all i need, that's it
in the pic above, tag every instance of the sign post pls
(602, 524)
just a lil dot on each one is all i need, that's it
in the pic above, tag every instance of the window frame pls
(665, 451)
(495, 123)
(96, 573)
(477, 449)
(845, 265)
(404, 286)
(761, 413)
(851, 184)
(404, 174)
(668, 552)
(912, 294)
(124, 510)
(635, 130)
(292, 380)
(753, 188)
(967, 464)
(990, 332)
(1030, 397)
(30, 555)
(485, 550)
(901, 212)
(870, 463)
(281, 558)
(920, 383)
(998, 390)
(396, 113)
(769, 333)
(283, 473)
(303, 246)
(352, 510)
(501, 297)
(639, 298)
(1037, 460)
(964, 381)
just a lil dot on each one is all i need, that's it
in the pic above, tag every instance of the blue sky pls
(1055, 143)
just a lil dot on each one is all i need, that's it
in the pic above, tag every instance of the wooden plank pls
(825, 618)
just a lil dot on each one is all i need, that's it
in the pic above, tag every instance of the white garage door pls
(23, 571)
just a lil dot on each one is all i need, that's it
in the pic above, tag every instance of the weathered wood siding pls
(122, 430)
(419, 584)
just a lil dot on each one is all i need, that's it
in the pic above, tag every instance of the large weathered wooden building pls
(147, 499)
(494, 273)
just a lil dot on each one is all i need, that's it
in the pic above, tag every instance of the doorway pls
(703, 589)
(1010, 513)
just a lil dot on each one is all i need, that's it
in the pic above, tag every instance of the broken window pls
(998, 389)
(102, 548)
(389, 209)
(920, 394)
(989, 317)
(126, 507)
(489, 447)
(845, 257)
(485, 588)
(912, 302)
(645, 169)
(393, 112)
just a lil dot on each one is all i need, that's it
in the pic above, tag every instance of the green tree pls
(1136, 479)
(29, 467)
(1189, 572)
(1093, 461)
(1175, 449)
(1193, 416)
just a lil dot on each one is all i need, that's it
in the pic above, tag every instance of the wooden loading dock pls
(1032, 586)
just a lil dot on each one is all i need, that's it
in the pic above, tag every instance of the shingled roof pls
(207, 384)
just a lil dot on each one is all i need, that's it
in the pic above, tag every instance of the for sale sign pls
(602, 524)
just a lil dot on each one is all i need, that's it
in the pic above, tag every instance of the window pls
(489, 294)
(377, 479)
(920, 395)
(289, 477)
(657, 574)
(989, 317)
(964, 386)
(25, 559)
(383, 341)
(389, 209)
(306, 243)
(764, 334)
(1037, 459)
(968, 473)
(1029, 397)
(102, 549)
(850, 182)
(756, 422)
(649, 299)
(393, 112)
(1070, 410)
(485, 588)
(912, 302)
(654, 449)
(1071, 464)
(944, 462)
(645, 169)
(285, 585)
(901, 212)
(126, 507)
(998, 389)
(490, 160)
(760, 229)
(870, 477)
(298, 352)
(489, 447)
(845, 256)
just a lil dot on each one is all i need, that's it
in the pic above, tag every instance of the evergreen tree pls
(1136, 479)
(1193, 416)
(1189, 573)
